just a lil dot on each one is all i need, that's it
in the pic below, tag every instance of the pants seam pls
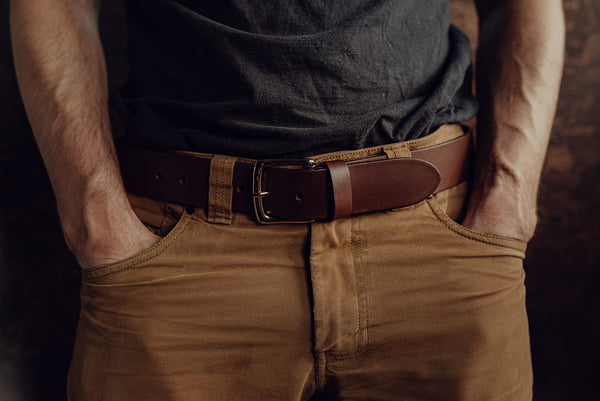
(363, 277)
(347, 356)
(356, 292)
(320, 369)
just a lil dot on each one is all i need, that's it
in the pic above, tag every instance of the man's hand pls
(111, 249)
(519, 65)
(62, 77)
(113, 241)
(503, 212)
(104, 231)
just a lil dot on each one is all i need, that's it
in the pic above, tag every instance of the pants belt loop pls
(220, 189)
(396, 150)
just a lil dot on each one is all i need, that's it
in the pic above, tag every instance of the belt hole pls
(299, 196)
(239, 188)
(181, 180)
(158, 176)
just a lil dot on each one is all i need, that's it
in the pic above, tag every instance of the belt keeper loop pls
(220, 189)
(342, 188)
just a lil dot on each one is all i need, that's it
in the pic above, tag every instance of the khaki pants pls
(398, 305)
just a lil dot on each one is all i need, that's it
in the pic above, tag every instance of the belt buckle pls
(262, 215)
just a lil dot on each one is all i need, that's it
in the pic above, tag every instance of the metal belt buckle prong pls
(263, 216)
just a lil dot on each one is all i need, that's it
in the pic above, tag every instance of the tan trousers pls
(398, 305)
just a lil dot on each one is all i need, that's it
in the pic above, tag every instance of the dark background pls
(39, 279)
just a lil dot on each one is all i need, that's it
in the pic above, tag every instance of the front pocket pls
(147, 255)
(452, 225)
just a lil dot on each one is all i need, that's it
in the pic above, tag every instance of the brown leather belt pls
(283, 190)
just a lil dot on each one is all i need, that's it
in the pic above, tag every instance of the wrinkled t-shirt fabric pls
(283, 78)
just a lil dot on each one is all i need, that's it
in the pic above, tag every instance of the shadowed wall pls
(39, 279)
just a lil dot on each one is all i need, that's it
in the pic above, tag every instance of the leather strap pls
(335, 190)
(342, 188)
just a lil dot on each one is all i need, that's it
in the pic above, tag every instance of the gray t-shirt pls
(265, 78)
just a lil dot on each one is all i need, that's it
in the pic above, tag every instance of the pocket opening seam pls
(152, 252)
(442, 218)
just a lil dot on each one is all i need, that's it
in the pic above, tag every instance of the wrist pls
(92, 209)
(499, 179)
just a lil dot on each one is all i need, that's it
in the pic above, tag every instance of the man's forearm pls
(519, 66)
(62, 76)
